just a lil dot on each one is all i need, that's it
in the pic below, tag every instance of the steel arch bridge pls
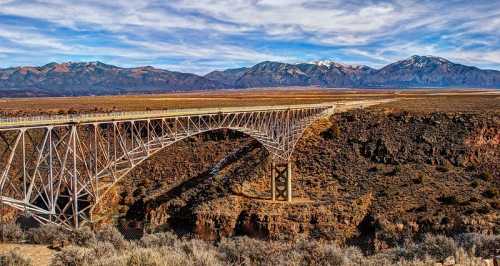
(58, 168)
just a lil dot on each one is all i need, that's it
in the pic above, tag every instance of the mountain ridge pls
(97, 78)
(415, 71)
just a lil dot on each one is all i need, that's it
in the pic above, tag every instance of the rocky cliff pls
(371, 178)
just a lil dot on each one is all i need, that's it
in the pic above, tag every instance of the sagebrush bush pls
(168, 249)
(244, 250)
(110, 234)
(14, 258)
(11, 232)
(318, 253)
(73, 256)
(482, 245)
(486, 176)
(158, 240)
(354, 256)
(438, 247)
(145, 257)
(103, 249)
(48, 233)
(200, 252)
(84, 236)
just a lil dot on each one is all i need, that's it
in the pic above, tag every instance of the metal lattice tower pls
(58, 168)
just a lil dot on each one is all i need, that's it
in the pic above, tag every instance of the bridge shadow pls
(201, 188)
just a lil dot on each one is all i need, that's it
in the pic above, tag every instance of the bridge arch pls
(80, 158)
(265, 144)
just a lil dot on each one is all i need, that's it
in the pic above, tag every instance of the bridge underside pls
(58, 173)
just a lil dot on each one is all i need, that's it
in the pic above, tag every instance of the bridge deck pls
(35, 121)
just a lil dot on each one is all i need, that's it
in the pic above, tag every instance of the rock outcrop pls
(363, 177)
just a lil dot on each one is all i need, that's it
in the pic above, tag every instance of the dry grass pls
(167, 249)
(419, 100)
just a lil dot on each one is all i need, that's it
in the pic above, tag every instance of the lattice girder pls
(60, 171)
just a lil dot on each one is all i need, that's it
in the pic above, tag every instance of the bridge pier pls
(59, 168)
(281, 180)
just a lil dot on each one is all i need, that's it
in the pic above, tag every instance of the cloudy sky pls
(202, 35)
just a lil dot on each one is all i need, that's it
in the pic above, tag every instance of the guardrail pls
(95, 117)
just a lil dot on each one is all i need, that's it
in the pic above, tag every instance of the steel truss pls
(59, 172)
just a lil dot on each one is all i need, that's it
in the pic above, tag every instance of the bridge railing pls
(95, 117)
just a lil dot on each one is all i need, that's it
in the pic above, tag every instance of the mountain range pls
(96, 78)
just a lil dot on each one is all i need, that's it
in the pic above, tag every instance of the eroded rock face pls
(362, 177)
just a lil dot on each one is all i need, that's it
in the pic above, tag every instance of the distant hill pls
(96, 78)
(430, 71)
(416, 71)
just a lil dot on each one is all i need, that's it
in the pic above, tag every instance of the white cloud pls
(31, 39)
(218, 30)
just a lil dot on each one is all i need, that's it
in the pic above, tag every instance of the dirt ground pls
(39, 254)
(411, 100)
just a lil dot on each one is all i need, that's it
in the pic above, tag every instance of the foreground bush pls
(437, 247)
(84, 237)
(482, 245)
(11, 232)
(74, 256)
(158, 240)
(13, 258)
(108, 247)
(110, 234)
(47, 234)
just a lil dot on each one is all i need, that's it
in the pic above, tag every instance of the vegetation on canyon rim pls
(106, 246)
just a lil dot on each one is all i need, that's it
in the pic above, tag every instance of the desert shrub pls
(438, 247)
(145, 257)
(84, 236)
(110, 234)
(48, 233)
(14, 258)
(11, 232)
(73, 256)
(244, 250)
(418, 180)
(103, 249)
(491, 193)
(395, 171)
(286, 258)
(332, 132)
(158, 240)
(200, 252)
(175, 257)
(443, 168)
(381, 259)
(318, 253)
(448, 200)
(482, 245)
(486, 176)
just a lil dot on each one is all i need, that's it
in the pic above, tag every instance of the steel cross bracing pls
(57, 172)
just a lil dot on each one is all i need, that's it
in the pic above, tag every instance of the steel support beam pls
(59, 169)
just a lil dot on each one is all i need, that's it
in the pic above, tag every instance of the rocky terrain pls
(372, 178)
(96, 78)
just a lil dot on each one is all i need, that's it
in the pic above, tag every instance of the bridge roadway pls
(58, 168)
(36, 121)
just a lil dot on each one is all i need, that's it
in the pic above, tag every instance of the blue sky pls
(202, 35)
